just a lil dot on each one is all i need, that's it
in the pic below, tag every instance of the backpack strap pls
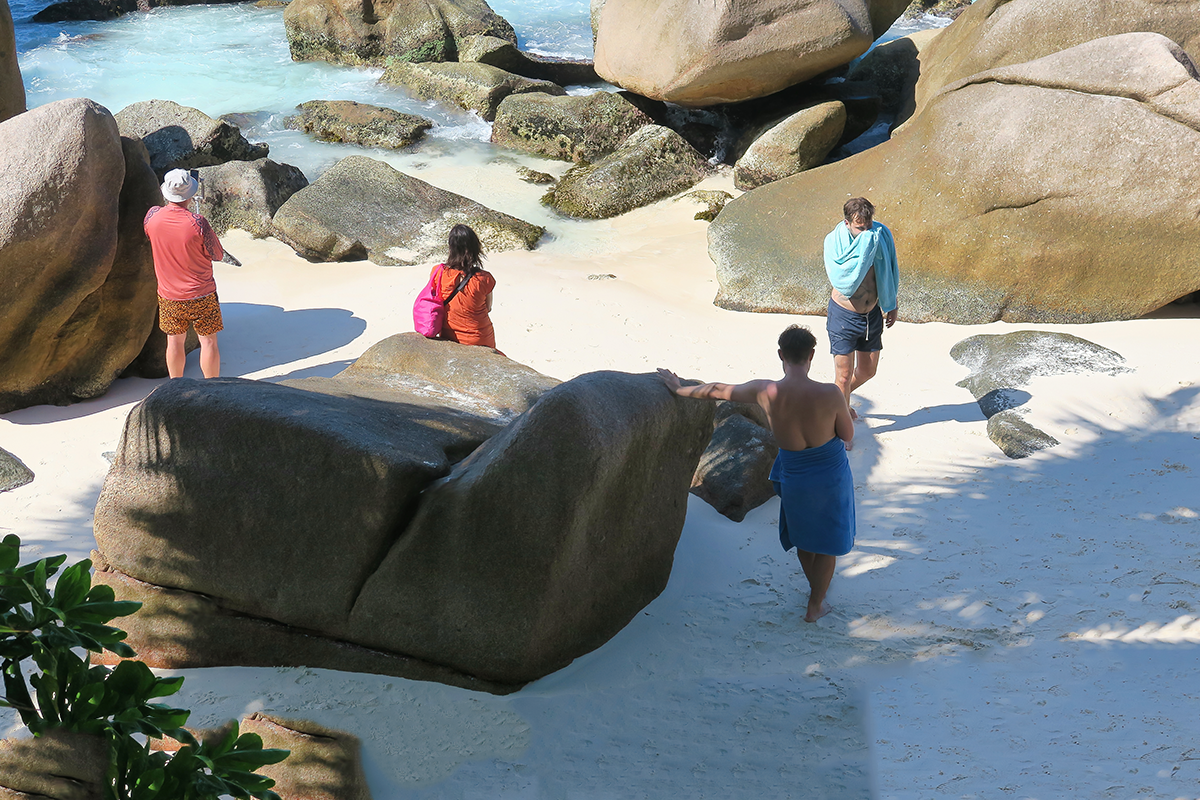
(462, 284)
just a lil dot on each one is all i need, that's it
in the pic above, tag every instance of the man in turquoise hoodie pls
(860, 260)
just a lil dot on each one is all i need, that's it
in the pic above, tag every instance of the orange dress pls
(467, 320)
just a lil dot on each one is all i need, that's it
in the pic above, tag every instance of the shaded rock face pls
(347, 32)
(704, 54)
(179, 137)
(995, 199)
(799, 142)
(12, 88)
(486, 572)
(475, 87)
(359, 123)
(505, 55)
(363, 208)
(246, 194)
(568, 128)
(998, 33)
(76, 275)
(893, 69)
(13, 472)
(324, 764)
(653, 163)
(60, 765)
(733, 475)
(1002, 364)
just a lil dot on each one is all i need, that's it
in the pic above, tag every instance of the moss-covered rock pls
(181, 137)
(567, 127)
(653, 163)
(505, 55)
(475, 87)
(358, 123)
(246, 194)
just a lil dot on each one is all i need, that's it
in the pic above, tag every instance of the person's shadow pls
(258, 337)
(946, 412)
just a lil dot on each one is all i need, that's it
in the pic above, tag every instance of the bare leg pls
(843, 369)
(176, 355)
(865, 367)
(818, 568)
(210, 357)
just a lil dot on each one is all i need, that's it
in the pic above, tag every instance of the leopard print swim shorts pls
(203, 312)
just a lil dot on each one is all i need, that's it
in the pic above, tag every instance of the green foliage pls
(55, 630)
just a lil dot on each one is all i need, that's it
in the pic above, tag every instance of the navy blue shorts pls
(850, 331)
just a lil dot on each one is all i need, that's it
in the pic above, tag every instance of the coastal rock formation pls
(180, 137)
(505, 55)
(996, 200)
(363, 208)
(13, 472)
(485, 571)
(862, 102)
(359, 123)
(570, 128)
(893, 69)
(246, 194)
(653, 163)
(1002, 364)
(733, 475)
(999, 33)
(12, 88)
(475, 87)
(59, 765)
(704, 54)
(795, 144)
(324, 763)
(714, 201)
(347, 32)
(71, 10)
(76, 276)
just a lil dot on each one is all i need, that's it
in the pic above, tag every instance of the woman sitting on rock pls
(467, 320)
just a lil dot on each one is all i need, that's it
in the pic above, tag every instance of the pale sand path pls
(1002, 628)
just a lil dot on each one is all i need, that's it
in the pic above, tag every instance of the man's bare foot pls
(853, 413)
(849, 445)
(815, 614)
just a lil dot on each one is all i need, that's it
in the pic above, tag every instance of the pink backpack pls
(429, 310)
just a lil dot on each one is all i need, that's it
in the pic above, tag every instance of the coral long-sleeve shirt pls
(467, 320)
(184, 248)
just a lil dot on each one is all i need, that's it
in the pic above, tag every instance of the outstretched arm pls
(741, 393)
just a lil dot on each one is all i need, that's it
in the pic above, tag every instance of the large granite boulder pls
(264, 524)
(246, 194)
(1001, 365)
(363, 208)
(359, 123)
(701, 54)
(569, 127)
(475, 87)
(349, 32)
(180, 137)
(733, 475)
(998, 33)
(799, 142)
(505, 55)
(1000, 194)
(653, 163)
(323, 763)
(12, 87)
(59, 765)
(76, 275)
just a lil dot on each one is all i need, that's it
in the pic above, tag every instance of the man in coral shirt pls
(184, 248)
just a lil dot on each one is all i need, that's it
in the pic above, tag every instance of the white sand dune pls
(1002, 629)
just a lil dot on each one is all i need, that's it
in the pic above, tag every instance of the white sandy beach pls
(1023, 629)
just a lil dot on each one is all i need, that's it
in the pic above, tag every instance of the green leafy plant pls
(53, 630)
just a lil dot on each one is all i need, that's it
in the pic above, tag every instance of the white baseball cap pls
(179, 186)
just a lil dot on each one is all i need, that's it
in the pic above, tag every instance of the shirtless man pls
(865, 278)
(812, 426)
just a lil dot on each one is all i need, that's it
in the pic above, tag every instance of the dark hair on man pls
(858, 207)
(466, 253)
(797, 344)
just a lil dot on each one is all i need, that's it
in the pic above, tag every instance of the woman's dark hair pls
(466, 253)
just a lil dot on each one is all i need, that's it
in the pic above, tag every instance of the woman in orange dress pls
(467, 320)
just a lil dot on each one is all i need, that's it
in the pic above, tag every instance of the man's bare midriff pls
(865, 297)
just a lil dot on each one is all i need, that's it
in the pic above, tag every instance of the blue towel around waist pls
(816, 489)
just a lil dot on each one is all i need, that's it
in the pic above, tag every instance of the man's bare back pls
(802, 412)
